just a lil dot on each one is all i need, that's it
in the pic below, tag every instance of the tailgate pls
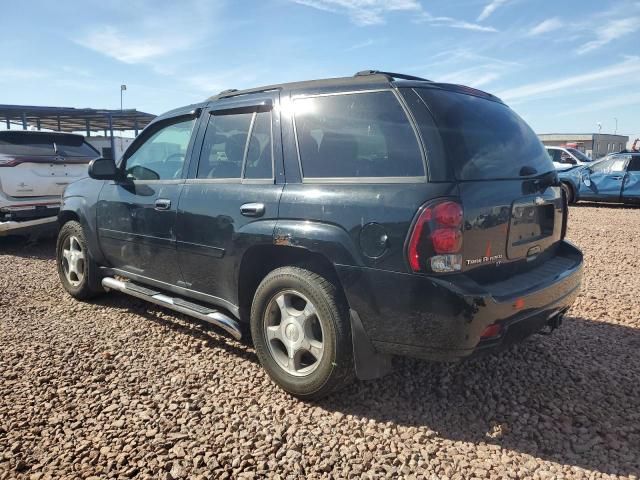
(42, 176)
(508, 220)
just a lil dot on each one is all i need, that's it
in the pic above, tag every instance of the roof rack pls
(234, 92)
(390, 75)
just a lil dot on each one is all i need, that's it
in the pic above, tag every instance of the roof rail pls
(390, 75)
(234, 92)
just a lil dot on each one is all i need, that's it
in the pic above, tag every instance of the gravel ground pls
(119, 388)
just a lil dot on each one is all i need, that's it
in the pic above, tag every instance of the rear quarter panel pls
(330, 218)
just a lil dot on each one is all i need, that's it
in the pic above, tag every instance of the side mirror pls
(103, 169)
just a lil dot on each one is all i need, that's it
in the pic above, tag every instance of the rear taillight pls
(435, 242)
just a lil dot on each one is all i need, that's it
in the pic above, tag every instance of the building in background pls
(594, 145)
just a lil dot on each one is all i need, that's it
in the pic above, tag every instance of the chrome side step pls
(210, 315)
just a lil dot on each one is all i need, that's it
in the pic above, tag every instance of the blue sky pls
(564, 65)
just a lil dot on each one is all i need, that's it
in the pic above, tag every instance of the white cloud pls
(374, 12)
(476, 77)
(549, 25)
(127, 48)
(358, 46)
(11, 74)
(624, 100)
(363, 12)
(153, 33)
(612, 30)
(626, 71)
(453, 23)
(490, 8)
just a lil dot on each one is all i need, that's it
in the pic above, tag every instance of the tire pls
(568, 191)
(314, 313)
(82, 280)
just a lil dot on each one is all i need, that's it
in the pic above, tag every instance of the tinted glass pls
(554, 155)
(223, 147)
(259, 161)
(579, 155)
(26, 143)
(356, 135)
(485, 139)
(634, 164)
(161, 156)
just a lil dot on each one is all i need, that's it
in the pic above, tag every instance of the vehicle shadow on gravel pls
(208, 335)
(585, 204)
(23, 247)
(570, 398)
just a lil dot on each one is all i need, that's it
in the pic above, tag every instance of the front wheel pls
(301, 332)
(78, 272)
(568, 191)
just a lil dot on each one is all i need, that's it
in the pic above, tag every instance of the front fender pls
(79, 202)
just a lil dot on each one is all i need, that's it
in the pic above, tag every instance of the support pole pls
(8, 123)
(58, 122)
(135, 125)
(38, 123)
(24, 121)
(87, 123)
(113, 143)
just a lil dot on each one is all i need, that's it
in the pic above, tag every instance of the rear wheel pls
(77, 270)
(569, 193)
(301, 332)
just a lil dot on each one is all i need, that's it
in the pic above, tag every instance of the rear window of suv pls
(360, 135)
(37, 143)
(485, 139)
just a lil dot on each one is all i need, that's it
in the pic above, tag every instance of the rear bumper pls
(28, 227)
(443, 318)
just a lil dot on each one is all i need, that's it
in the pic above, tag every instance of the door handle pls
(163, 204)
(617, 177)
(252, 209)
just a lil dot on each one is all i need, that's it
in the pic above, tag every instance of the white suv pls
(35, 168)
(566, 157)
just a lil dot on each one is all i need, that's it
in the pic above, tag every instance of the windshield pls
(37, 143)
(578, 154)
(485, 139)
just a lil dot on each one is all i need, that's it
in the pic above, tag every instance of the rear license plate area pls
(530, 223)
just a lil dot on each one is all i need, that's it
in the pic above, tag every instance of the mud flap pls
(369, 363)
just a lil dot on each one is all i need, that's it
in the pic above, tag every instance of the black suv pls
(343, 220)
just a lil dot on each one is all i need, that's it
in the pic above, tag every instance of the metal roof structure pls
(66, 119)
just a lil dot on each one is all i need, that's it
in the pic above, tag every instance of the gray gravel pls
(119, 388)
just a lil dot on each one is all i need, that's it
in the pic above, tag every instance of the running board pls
(210, 315)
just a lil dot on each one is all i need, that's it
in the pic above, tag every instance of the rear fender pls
(325, 239)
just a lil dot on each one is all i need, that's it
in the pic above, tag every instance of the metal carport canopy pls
(73, 119)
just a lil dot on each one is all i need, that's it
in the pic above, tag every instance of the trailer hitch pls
(553, 323)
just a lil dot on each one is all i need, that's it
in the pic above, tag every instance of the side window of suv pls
(259, 161)
(161, 156)
(225, 150)
(634, 164)
(356, 135)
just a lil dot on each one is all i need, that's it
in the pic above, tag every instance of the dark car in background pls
(35, 167)
(342, 220)
(613, 179)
